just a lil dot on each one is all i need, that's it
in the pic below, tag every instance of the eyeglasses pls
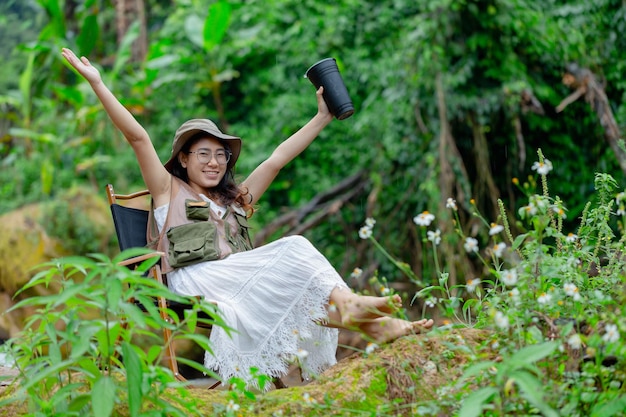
(204, 156)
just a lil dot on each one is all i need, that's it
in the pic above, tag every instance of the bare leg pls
(353, 309)
(387, 329)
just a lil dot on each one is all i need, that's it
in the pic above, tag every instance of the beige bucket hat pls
(193, 126)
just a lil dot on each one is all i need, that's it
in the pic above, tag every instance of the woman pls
(283, 299)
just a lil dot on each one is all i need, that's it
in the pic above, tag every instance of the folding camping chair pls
(130, 226)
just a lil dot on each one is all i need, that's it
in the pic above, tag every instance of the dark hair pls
(228, 189)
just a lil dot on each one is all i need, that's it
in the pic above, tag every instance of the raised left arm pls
(261, 178)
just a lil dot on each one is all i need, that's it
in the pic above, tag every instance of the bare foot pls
(359, 308)
(387, 329)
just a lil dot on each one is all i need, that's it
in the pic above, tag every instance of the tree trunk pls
(127, 12)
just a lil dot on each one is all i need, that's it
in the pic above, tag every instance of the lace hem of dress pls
(300, 338)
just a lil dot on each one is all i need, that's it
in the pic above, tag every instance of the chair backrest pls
(130, 223)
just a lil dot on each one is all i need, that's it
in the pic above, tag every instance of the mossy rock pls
(38, 233)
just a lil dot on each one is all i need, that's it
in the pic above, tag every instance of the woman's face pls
(204, 171)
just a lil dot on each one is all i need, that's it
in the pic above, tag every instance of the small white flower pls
(542, 168)
(356, 273)
(528, 211)
(498, 249)
(571, 238)
(501, 320)
(495, 345)
(619, 197)
(544, 298)
(430, 302)
(424, 219)
(371, 347)
(332, 307)
(370, 222)
(514, 295)
(384, 290)
(570, 289)
(365, 232)
(560, 211)
(471, 284)
(575, 341)
(541, 202)
(308, 399)
(621, 211)
(494, 229)
(451, 203)
(611, 334)
(470, 245)
(232, 406)
(434, 237)
(509, 277)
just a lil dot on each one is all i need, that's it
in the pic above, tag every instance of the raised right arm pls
(155, 176)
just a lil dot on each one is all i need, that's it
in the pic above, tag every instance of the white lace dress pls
(273, 297)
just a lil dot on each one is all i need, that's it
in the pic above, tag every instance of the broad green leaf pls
(216, 24)
(89, 35)
(193, 30)
(103, 397)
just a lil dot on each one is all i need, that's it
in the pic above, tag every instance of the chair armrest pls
(141, 258)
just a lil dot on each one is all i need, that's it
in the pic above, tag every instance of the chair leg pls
(171, 354)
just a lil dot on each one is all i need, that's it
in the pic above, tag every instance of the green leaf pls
(134, 378)
(25, 83)
(474, 403)
(518, 241)
(531, 354)
(79, 402)
(193, 30)
(88, 36)
(103, 397)
(613, 407)
(124, 50)
(35, 136)
(475, 369)
(215, 25)
(114, 293)
(532, 390)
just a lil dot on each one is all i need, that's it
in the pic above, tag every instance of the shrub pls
(78, 354)
(553, 299)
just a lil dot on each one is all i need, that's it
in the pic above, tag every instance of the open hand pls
(82, 65)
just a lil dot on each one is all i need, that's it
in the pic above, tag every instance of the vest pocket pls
(192, 243)
(243, 237)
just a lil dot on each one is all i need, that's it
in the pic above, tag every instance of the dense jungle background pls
(453, 99)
